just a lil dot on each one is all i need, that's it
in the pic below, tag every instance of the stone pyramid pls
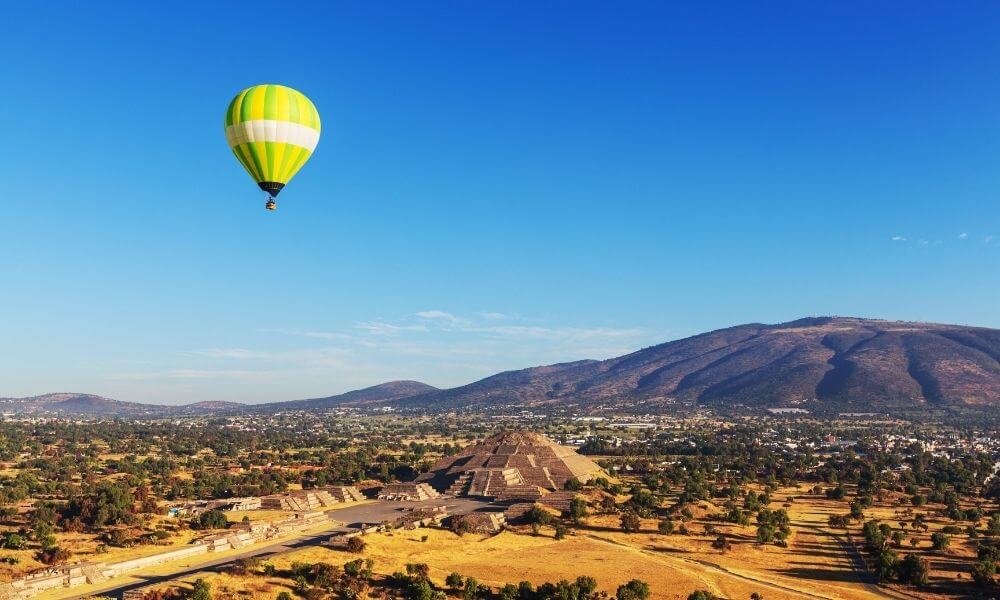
(512, 465)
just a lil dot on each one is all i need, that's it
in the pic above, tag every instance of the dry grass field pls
(815, 565)
(819, 562)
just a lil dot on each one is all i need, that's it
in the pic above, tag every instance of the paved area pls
(376, 512)
(352, 516)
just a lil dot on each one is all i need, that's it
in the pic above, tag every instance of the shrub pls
(577, 510)
(940, 541)
(356, 545)
(455, 581)
(211, 519)
(472, 589)
(53, 556)
(983, 572)
(201, 590)
(13, 541)
(630, 522)
(635, 589)
(914, 569)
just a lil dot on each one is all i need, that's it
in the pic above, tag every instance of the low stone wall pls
(115, 569)
(239, 536)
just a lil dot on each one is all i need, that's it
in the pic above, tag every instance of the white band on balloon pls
(268, 130)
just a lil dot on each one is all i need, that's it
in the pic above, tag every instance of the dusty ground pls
(814, 566)
(818, 563)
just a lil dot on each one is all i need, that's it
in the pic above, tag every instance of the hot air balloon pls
(272, 130)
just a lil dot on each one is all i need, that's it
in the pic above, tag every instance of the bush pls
(765, 534)
(509, 592)
(455, 581)
(983, 572)
(53, 555)
(211, 519)
(577, 510)
(914, 569)
(13, 541)
(356, 545)
(472, 589)
(940, 541)
(201, 590)
(630, 522)
(702, 595)
(635, 589)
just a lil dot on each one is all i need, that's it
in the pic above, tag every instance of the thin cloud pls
(388, 329)
(963, 236)
(228, 353)
(320, 335)
(494, 316)
(437, 314)
(898, 238)
(189, 374)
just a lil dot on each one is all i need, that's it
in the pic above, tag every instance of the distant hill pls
(376, 394)
(816, 362)
(76, 404)
(98, 406)
(820, 363)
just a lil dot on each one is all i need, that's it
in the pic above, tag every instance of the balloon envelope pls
(272, 130)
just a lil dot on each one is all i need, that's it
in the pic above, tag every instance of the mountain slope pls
(76, 404)
(825, 361)
(834, 362)
(376, 394)
(98, 406)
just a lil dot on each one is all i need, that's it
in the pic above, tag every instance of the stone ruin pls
(513, 465)
(408, 491)
(239, 536)
(478, 522)
(314, 499)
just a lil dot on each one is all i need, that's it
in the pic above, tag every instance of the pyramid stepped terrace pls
(314, 499)
(407, 491)
(513, 465)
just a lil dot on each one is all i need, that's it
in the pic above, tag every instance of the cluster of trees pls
(886, 563)
(582, 588)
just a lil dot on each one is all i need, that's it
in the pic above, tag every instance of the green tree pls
(984, 571)
(940, 541)
(914, 569)
(630, 522)
(635, 589)
(201, 590)
(472, 589)
(577, 510)
(212, 519)
(455, 581)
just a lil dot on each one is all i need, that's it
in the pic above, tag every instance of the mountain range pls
(814, 363)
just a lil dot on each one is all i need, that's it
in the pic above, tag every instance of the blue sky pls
(498, 185)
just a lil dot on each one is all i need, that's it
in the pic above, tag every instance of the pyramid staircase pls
(94, 574)
(461, 486)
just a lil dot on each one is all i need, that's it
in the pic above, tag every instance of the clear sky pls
(498, 185)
